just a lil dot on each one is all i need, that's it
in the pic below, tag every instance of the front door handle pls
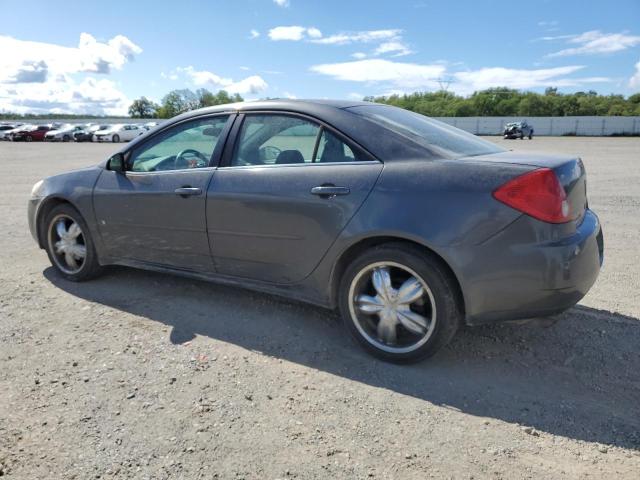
(187, 191)
(330, 191)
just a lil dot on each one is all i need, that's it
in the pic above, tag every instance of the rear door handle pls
(187, 191)
(330, 190)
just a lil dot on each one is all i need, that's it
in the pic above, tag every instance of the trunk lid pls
(569, 170)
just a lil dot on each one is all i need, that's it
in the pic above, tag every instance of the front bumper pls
(506, 278)
(32, 215)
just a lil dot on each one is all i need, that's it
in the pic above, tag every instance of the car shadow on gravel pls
(578, 378)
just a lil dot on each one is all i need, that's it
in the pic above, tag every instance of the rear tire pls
(115, 138)
(69, 244)
(405, 325)
(66, 138)
(28, 138)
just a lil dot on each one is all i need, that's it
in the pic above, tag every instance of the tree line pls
(509, 102)
(179, 101)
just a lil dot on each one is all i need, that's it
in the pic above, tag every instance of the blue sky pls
(95, 58)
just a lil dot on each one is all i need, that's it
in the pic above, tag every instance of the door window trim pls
(216, 155)
(234, 138)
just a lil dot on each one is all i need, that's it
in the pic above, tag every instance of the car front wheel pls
(69, 244)
(399, 303)
(115, 139)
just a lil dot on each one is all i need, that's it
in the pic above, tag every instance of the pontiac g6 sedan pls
(410, 227)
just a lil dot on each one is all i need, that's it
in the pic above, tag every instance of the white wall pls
(554, 126)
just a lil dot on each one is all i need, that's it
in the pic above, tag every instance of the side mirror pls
(116, 163)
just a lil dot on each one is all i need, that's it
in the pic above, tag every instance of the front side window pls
(273, 139)
(187, 145)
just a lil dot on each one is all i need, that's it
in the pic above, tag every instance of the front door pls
(289, 189)
(155, 211)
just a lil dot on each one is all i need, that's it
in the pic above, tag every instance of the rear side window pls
(332, 149)
(434, 135)
(275, 139)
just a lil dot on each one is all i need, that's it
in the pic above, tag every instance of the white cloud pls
(254, 34)
(470, 81)
(396, 47)
(359, 55)
(314, 32)
(296, 33)
(203, 78)
(293, 33)
(43, 77)
(281, 3)
(405, 75)
(595, 42)
(401, 77)
(634, 81)
(21, 57)
(64, 95)
(289, 95)
(242, 67)
(365, 36)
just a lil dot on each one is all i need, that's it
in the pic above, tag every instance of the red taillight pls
(538, 194)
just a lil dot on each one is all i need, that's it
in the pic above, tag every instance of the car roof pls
(310, 106)
(374, 138)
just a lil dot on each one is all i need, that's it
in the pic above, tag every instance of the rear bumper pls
(506, 279)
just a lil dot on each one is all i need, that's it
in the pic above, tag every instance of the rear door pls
(282, 196)
(155, 211)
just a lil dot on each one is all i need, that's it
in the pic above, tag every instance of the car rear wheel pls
(115, 138)
(28, 138)
(69, 244)
(66, 138)
(399, 303)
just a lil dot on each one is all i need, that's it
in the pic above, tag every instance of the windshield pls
(432, 134)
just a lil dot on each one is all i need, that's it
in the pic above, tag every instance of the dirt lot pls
(139, 375)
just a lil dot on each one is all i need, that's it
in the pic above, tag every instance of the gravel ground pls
(140, 375)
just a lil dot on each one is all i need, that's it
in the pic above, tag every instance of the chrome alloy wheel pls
(392, 307)
(66, 243)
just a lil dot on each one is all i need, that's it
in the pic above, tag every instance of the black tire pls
(90, 268)
(521, 136)
(28, 138)
(66, 138)
(115, 138)
(530, 135)
(443, 287)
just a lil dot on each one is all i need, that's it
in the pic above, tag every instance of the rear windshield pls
(432, 134)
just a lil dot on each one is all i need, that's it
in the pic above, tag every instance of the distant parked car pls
(86, 133)
(5, 127)
(62, 134)
(31, 133)
(118, 133)
(7, 134)
(518, 130)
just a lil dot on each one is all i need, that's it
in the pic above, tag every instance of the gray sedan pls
(407, 226)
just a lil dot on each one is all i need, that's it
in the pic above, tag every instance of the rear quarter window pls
(434, 135)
